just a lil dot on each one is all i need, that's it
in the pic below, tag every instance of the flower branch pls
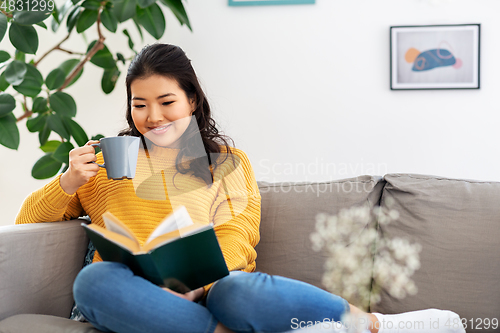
(361, 260)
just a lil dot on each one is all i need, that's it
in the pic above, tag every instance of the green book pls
(179, 254)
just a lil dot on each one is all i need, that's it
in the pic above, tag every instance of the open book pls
(179, 254)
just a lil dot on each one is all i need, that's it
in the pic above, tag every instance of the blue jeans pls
(113, 299)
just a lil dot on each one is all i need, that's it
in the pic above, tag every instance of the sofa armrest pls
(38, 264)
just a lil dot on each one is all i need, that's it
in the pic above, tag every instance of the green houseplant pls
(42, 102)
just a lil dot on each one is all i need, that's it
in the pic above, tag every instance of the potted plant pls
(42, 102)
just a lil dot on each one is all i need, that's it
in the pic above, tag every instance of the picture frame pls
(268, 2)
(435, 57)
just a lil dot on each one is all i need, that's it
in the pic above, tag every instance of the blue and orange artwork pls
(427, 60)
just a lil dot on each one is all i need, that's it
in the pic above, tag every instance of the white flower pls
(361, 261)
(394, 214)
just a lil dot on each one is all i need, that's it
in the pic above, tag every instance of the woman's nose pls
(154, 114)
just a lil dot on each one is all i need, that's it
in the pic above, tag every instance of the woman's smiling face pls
(161, 111)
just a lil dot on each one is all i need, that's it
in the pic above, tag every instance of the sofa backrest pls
(288, 218)
(457, 222)
(38, 264)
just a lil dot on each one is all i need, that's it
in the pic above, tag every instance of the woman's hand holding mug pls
(80, 168)
(120, 156)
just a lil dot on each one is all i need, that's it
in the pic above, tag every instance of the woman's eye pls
(167, 103)
(139, 106)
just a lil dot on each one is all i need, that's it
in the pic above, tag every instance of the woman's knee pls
(237, 281)
(92, 278)
(233, 292)
(231, 295)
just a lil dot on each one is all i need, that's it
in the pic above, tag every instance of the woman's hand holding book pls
(193, 295)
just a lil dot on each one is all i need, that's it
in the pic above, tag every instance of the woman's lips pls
(160, 129)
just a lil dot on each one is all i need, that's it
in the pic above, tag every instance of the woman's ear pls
(192, 102)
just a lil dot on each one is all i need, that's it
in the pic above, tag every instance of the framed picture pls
(435, 57)
(268, 2)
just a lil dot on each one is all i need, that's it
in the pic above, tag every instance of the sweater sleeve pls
(49, 204)
(236, 214)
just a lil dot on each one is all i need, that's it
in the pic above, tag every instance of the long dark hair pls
(171, 61)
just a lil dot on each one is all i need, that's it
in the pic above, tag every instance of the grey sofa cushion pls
(288, 218)
(25, 323)
(38, 264)
(457, 222)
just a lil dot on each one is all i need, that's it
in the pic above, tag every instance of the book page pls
(174, 235)
(115, 225)
(177, 220)
(118, 239)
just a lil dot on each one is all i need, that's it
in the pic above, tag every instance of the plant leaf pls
(103, 58)
(63, 104)
(55, 123)
(32, 83)
(152, 20)
(26, 17)
(36, 124)
(19, 55)
(45, 167)
(91, 4)
(120, 57)
(44, 134)
(3, 25)
(62, 152)
(64, 10)
(55, 79)
(179, 11)
(109, 78)
(130, 42)
(3, 83)
(139, 29)
(59, 14)
(4, 56)
(86, 19)
(50, 146)
(15, 72)
(145, 3)
(73, 18)
(39, 104)
(124, 9)
(76, 131)
(55, 14)
(9, 133)
(41, 24)
(24, 38)
(68, 67)
(7, 104)
(55, 19)
(109, 20)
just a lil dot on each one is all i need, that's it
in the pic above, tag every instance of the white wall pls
(304, 90)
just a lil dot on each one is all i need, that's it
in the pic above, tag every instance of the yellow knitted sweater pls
(231, 203)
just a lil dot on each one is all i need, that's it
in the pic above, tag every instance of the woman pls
(168, 110)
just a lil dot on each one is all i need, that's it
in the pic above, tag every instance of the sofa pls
(456, 221)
